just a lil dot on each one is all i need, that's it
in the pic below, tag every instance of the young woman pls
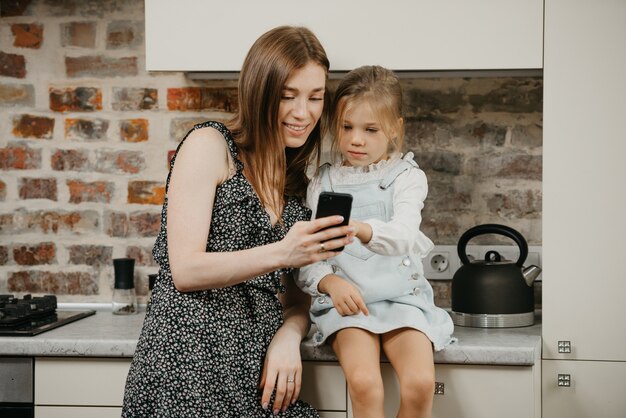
(374, 295)
(223, 329)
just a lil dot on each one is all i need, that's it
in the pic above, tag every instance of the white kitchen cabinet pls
(584, 196)
(488, 391)
(79, 387)
(474, 391)
(77, 412)
(324, 387)
(95, 387)
(200, 35)
(586, 389)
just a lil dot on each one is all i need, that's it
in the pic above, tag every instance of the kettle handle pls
(493, 229)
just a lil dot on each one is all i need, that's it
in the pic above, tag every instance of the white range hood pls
(404, 35)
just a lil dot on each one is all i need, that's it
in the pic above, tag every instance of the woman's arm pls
(201, 165)
(282, 360)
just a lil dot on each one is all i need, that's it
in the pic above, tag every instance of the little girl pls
(374, 294)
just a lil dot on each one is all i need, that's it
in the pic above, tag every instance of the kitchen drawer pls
(100, 382)
(76, 412)
(487, 391)
(332, 414)
(80, 381)
(94, 412)
(596, 389)
(472, 391)
(324, 386)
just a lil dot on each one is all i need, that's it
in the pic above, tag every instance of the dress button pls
(336, 269)
(321, 300)
(415, 276)
(406, 261)
(318, 337)
(416, 291)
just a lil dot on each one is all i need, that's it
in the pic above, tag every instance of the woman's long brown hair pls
(274, 170)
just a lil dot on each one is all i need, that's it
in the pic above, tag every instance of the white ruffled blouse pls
(401, 235)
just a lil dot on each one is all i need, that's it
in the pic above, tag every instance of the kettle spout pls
(530, 273)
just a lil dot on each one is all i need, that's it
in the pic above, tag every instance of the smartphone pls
(331, 203)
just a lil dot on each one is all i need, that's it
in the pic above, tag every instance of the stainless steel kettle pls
(493, 293)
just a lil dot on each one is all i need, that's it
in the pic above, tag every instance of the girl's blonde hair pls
(272, 59)
(380, 89)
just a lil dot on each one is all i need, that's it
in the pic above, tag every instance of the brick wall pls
(86, 133)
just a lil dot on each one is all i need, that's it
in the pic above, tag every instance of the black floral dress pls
(200, 354)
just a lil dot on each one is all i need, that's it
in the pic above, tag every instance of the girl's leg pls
(358, 352)
(411, 355)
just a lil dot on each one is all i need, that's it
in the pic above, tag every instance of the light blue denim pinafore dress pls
(393, 286)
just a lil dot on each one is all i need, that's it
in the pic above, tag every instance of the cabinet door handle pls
(439, 388)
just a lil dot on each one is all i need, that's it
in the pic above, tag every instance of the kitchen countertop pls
(108, 335)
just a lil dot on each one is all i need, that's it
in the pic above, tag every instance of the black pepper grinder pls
(124, 297)
(151, 280)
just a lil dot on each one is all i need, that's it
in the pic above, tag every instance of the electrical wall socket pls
(443, 261)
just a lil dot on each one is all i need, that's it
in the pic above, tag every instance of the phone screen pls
(331, 203)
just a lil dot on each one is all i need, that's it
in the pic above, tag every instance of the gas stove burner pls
(14, 311)
(28, 316)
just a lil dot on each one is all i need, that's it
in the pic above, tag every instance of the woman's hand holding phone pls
(331, 203)
(317, 240)
(322, 238)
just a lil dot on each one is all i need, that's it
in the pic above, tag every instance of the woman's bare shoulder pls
(205, 151)
(208, 138)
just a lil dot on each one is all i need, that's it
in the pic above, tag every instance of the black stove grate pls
(29, 316)
(15, 312)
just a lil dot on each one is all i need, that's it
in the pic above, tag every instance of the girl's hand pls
(346, 297)
(362, 230)
(306, 243)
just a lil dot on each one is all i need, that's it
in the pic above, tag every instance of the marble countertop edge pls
(107, 335)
